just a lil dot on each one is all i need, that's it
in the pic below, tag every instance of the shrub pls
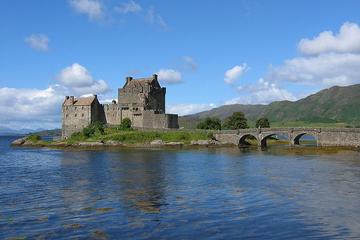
(96, 128)
(210, 123)
(125, 124)
(33, 138)
(236, 121)
(263, 123)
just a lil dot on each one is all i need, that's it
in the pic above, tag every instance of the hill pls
(336, 106)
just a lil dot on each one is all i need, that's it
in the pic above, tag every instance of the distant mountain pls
(333, 105)
(4, 131)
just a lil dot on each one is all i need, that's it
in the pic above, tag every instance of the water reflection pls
(222, 193)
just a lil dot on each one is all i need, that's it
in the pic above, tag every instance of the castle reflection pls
(135, 180)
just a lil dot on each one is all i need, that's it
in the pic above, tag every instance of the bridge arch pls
(242, 140)
(297, 137)
(264, 138)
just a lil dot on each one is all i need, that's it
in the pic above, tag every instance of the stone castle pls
(141, 100)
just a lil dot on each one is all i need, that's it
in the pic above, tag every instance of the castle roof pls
(141, 82)
(82, 101)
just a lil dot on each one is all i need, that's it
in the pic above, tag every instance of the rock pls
(200, 142)
(112, 143)
(174, 144)
(18, 142)
(157, 142)
(90, 144)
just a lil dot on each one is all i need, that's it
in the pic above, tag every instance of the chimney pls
(155, 76)
(95, 96)
(72, 99)
(67, 97)
(113, 101)
(128, 79)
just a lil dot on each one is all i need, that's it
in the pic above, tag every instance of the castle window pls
(67, 115)
(82, 108)
(75, 108)
(82, 115)
(75, 115)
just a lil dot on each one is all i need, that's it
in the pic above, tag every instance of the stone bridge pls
(323, 136)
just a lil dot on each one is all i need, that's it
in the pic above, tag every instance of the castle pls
(141, 100)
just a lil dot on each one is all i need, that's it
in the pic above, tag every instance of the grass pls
(142, 137)
(33, 138)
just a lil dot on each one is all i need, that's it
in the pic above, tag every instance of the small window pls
(75, 108)
(67, 115)
(75, 115)
(82, 115)
(82, 108)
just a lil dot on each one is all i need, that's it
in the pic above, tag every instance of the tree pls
(125, 124)
(94, 128)
(210, 123)
(262, 123)
(236, 121)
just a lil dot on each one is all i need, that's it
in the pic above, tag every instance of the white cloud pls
(346, 41)
(153, 17)
(41, 108)
(186, 109)
(325, 69)
(30, 108)
(129, 7)
(38, 41)
(78, 79)
(263, 92)
(235, 73)
(169, 76)
(189, 63)
(92, 8)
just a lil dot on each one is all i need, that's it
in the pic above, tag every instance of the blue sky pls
(207, 53)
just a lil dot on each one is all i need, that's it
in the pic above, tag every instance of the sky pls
(206, 53)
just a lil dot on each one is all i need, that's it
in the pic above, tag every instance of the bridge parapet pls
(323, 136)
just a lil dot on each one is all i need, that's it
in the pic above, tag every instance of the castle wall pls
(152, 120)
(75, 118)
(112, 114)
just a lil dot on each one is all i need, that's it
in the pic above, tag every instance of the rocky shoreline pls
(23, 142)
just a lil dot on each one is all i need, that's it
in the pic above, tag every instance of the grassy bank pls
(142, 137)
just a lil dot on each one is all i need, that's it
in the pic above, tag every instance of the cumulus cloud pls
(263, 92)
(235, 73)
(325, 69)
(41, 108)
(30, 108)
(129, 7)
(186, 109)
(92, 8)
(152, 17)
(169, 76)
(346, 41)
(78, 79)
(38, 41)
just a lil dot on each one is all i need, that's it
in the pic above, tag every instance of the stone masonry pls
(141, 100)
(323, 136)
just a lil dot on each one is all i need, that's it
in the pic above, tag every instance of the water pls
(182, 194)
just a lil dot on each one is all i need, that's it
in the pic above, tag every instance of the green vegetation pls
(210, 123)
(96, 128)
(125, 124)
(137, 136)
(333, 107)
(33, 138)
(262, 123)
(134, 136)
(236, 121)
